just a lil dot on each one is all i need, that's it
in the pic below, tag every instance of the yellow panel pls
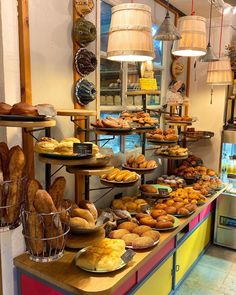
(160, 282)
(189, 251)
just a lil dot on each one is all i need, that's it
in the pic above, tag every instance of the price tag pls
(83, 148)
(163, 191)
(128, 255)
(121, 220)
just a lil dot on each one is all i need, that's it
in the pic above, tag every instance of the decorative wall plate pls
(84, 32)
(85, 92)
(83, 7)
(85, 62)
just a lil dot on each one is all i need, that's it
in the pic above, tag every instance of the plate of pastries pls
(172, 180)
(131, 204)
(153, 190)
(178, 207)
(104, 256)
(172, 152)
(51, 148)
(135, 236)
(192, 161)
(120, 178)
(208, 185)
(140, 164)
(179, 119)
(140, 120)
(188, 195)
(25, 112)
(163, 136)
(112, 124)
(160, 222)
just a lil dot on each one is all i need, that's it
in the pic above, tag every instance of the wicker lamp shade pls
(193, 32)
(130, 35)
(219, 72)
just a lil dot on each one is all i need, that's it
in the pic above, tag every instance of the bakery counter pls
(63, 277)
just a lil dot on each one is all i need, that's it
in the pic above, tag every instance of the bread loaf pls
(57, 191)
(89, 206)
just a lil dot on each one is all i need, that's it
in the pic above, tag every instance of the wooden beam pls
(172, 8)
(25, 76)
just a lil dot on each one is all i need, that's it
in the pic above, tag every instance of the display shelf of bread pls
(140, 164)
(160, 136)
(104, 256)
(45, 220)
(119, 178)
(173, 153)
(26, 116)
(135, 236)
(12, 184)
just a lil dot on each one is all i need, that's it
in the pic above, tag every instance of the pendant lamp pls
(130, 35)
(219, 72)
(167, 30)
(210, 55)
(193, 32)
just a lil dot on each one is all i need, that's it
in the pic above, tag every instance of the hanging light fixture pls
(167, 30)
(210, 55)
(130, 35)
(219, 72)
(193, 32)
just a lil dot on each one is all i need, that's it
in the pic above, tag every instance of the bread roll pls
(89, 206)
(85, 214)
(143, 165)
(5, 109)
(70, 139)
(166, 217)
(171, 210)
(178, 205)
(78, 222)
(143, 242)
(158, 212)
(155, 235)
(140, 159)
(141, 215)
(129, 238)
(148, 188)
(139, 230)
(65, 148)
(130, 226)
(164, 224)
(25, 109)
(130, 176)
(148, 221)
(151, 164)
(183, 211)
(43, 147)
(118, 234)
(160, 206)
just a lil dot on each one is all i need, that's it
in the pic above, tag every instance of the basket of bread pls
(104, 256)
(163, 136)
(135, 236)
(12, 186)
(45, 220)
(119, 178)
(140, 164)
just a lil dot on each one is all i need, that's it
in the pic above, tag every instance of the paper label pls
(83, 148)
(148, 83)
(128, 255)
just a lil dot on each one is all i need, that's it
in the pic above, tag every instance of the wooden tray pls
(27, 124)
(89, 171)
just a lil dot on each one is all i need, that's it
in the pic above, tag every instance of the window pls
(116, 78)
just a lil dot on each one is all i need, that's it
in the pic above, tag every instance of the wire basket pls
(12, 194)
(45, 233)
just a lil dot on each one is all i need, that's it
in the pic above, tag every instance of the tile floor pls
(215, 274)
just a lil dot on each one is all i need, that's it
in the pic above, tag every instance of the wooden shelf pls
(173, 158)
(89, 171)
(179, 123)
(64, 274)
(62, 162)
(143, 92)
(28, 124)
(76, 112)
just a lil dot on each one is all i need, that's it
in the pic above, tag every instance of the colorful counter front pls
(157, 271)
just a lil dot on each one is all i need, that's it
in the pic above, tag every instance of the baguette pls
(57, 191)
(43, 203)
(34, 223)
(4, 159)
(16, 168)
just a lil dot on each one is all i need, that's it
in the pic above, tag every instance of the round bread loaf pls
(143, 242)
(24, 109)
(5, 108)
(129, 238)
(118, 233)
(158, 212)
(155, 235)
(139, 230)
(130, 226)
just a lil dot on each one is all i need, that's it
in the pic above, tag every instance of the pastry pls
(166, 217)
(57, 191)
(140, 159)
(49, 139)
(129, 238)
(130, 226)
(164, 224)
(155, 235)
(24, 109)
(65, 148)
(151, 164)
(42, 147)
(78, 222)
(43, 203)
(158, 212)
(89, 206)
(171, 210)
(118, 233)
(85, 62)
(160, 206)
(148, 221)
(147, 188)
(183, 211)
(5, 108)
(142, 242)
(16, 169)
(70, 139)
(85, 214)
(139, 230)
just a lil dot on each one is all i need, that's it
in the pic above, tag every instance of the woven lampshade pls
(193, 32)
(219, 72)
(130, 35)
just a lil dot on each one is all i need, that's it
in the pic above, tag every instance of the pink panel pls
(148, 266)
(30, 286)
(206, 211)
(193, 223)
(128, 285)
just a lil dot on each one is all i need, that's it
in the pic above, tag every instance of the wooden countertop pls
(64, 274)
